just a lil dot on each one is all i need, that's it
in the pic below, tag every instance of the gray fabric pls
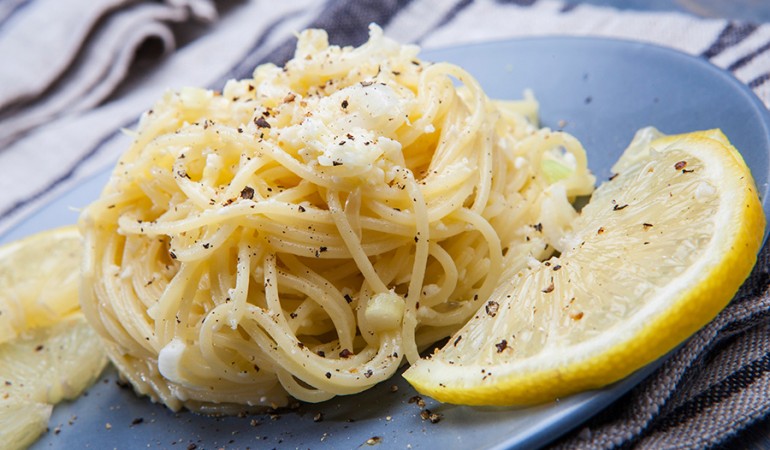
(74, 73)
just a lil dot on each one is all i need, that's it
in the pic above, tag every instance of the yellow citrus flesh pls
(22, 423)
(657, 252)
(39, 280)
(48, 352)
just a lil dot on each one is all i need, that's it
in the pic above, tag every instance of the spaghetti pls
(306, 230)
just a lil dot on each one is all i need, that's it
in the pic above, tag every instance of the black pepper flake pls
(613, 176)
(345, 353)
(348, 298)
(548, 288)
(337, 163)
(600, 230)
(39, 348)
(301, 208)
(491, 307)
(247, 193)
(172, 255)
(321, 353)
(501, 346)
(426, 414)
(206, 245)
(680, 165)
(367, 83)
(344, 104)
(538, 227)
(328, 374)
(556, 267)
(619, 207)
(647, 226)
(240, 130)
(137, 421)
(418, 400)
(368, 373)
(261, 122)
(182, 174)
(457, 340)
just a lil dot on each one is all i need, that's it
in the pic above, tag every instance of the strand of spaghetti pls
(422, 240)
(353, 211)
(450, 273)
(469, 124)
(323, 251)
(212, 340)
(110, 320)
(198, 251)
(289, 163)
(493, 241)
(351, 241)
(296, 390)
(316, 288)
(429, 90)
(209, 217)
(389, 268)
(238, 294)
(163, 311)
(303, 364)
(344, 323)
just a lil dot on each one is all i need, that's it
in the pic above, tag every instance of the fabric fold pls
(92, 64)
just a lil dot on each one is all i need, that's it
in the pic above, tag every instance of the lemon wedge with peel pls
(658, 251)
(48, 352)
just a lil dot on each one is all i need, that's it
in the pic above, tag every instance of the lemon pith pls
(656, 254)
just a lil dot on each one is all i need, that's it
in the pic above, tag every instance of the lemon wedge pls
(48, 352)
(39, 280)
(658, 251)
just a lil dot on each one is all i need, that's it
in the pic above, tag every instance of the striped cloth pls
(74, 73)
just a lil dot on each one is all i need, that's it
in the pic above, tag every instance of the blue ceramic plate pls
(600, 90)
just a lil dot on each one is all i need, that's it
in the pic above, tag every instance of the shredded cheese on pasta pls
(307, 230)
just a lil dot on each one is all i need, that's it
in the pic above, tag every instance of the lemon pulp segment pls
(658, 251)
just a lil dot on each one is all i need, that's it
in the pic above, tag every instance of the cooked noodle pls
(305, 231)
